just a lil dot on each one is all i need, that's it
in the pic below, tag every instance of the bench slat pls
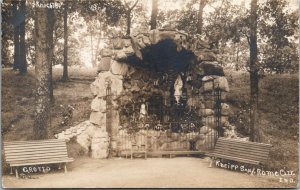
(236, 158)
(9, 157)
(16, 153)
(249, 148)
(239, 159)
(34, 146)
(263, 156)
(34, 141)
(176, 152)
(244, 145)
(241, 151)
(61, 158)
(36, 157)
(243, 155)
(241, 147)
(23, 151)
(245, 142)
(39, 162)
(258, 158)
(34, 149)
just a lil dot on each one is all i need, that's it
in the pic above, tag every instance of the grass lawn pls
(278, 111)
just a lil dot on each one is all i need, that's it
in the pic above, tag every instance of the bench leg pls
(11, 171)
(65, 166)
(212, 159)
(16, 170)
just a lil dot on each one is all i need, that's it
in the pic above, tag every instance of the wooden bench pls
(135, 150)
(37, 152)
(176, 152)
(240, 151)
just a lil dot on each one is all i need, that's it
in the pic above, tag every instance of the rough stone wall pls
(111, 66)
(126, 81)
(91, 137)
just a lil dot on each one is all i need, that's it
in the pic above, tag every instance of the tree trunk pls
(128, 17)
(65, 70)
(42, 73)
(254, 78)
(23, 63)
(97, 47)
(238, 52)
(154, 14)
(202, 4)
(92, 51)
(52, 20)
(16, 38)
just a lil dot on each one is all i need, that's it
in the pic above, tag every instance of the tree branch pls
(248, 39)
(136, 2)
(126, 5)
(129, 9)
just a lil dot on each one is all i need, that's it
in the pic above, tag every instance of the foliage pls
(73, 42)
(226, 27)
(66, 114)
(180, 117)
(279, 30)
(7, 34)
(220, 27)
(113, 9)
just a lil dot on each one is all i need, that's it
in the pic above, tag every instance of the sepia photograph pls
(149, 94)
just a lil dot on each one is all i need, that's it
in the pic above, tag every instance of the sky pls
(177, 4)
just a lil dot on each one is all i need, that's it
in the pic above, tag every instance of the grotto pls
(161, 88)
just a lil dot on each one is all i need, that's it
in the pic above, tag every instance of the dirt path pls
(153, 172)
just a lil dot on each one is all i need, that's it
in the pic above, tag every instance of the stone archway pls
(137, 66)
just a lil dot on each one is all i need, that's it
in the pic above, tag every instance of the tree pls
(254, 72)
(191, 19)
(7, 33)
(19, 9)
(42, 71)
(23, 62)
(220, 27)
(16, 37)
(65, 70)
(128, 10)
(279, 29)
(95, 29)
(154, 14)
(202, 4)
(51, 20)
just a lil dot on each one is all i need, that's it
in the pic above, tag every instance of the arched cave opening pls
(164, 77)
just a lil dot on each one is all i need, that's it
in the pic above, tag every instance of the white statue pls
(178, 88)
(143, 111)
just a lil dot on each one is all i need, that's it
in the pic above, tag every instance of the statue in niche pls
(178, 88)
(143, 111)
